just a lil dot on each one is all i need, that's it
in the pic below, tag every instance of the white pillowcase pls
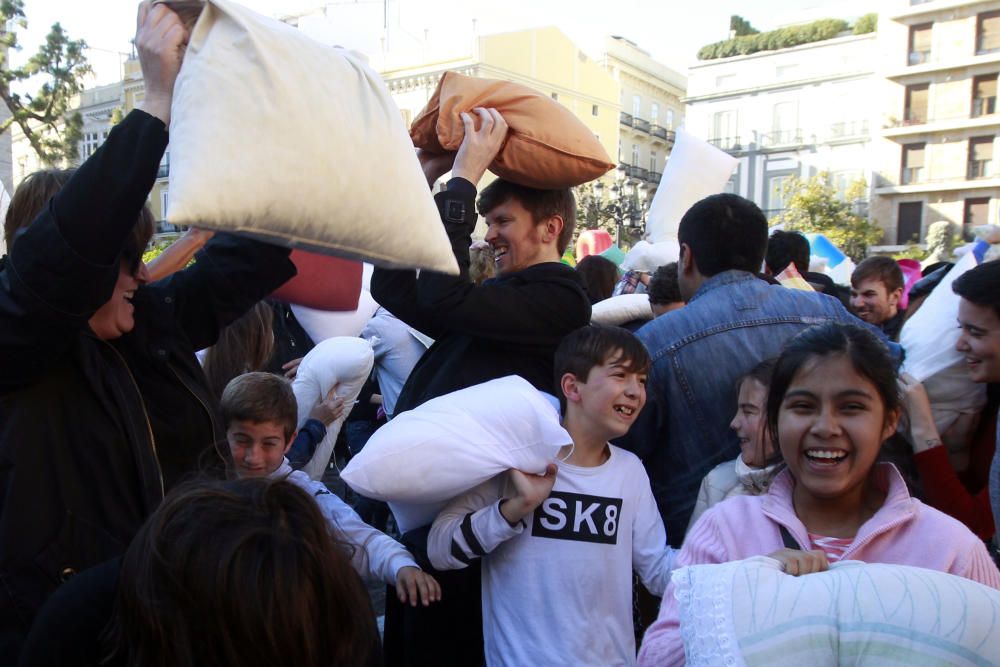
(279, 137)
(323, 324)
(621, 309)
(751, 613)
(345, 362)
(426, 456)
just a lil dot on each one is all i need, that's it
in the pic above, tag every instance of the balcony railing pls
(625, 118)
(979, 169)
(163, 170)
(781, 138)
(911, 175)
(984, 106)
(844, 130)
(640, 124)
(663, 133)
(655, 177)
(727, 143)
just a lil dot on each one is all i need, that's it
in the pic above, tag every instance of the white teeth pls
(824, 454)
(625, 410)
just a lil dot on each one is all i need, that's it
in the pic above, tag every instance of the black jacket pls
(92, 432)
(507, 326)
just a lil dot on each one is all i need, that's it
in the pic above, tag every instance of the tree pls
(739, 26)
(45, 118)
(813, 206)
(866, 24)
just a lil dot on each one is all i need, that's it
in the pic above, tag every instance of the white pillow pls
(646, 256)
(345, 362)
(282, 138)
(426, 456)
(751, 613)
(323, 324)
(621, 309)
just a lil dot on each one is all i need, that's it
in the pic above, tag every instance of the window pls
(980, 157)
(920, 43)
(164, 169)
(913, 163)
(725, 80)
(984, 95)
(670, 119)
(555, 96)
(915, 112)
(724, 129)
(91, 140)
(977, 212)
(593, 110)
(783, 71)
(988, 33)
(908, 224)
(776, 194)
(636, 106)
(654, 113)
(635, 155)
(784, 123)
(841, 181)
(163, 204)
(652, 161)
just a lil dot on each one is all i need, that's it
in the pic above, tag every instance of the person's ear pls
(570, 387)
(891, 423)
(686, 262)
(291, 440)
(895, 295)
(552, 227)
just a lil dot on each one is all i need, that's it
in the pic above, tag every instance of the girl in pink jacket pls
(833, 401)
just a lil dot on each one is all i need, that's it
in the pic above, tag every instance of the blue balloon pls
(821, 246)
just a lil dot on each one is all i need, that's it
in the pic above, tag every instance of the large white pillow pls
(426, 456)
(323, 324)
(285, 139)
(345, 362)
(751, 613)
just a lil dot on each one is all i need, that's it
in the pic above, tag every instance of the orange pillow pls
(547, 146)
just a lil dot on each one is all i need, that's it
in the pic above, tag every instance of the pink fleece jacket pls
(903, 531)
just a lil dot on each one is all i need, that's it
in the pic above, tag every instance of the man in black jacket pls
(103, 406)
(508, 325)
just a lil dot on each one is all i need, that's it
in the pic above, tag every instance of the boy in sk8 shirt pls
(559, 549)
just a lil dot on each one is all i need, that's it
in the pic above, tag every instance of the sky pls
(670, 31)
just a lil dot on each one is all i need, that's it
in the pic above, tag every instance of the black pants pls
(449, 633)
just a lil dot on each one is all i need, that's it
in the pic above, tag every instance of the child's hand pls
(530, 491)
(329, 409)
(291, 368)
(412, 582)
(796, 562)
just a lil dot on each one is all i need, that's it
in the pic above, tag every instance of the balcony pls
(662, 134)
(782, 139)
(625, 118)
(853, 129)
(922, 185)
(640, 124)
(918, 58)
(163, 171)
(984, 106)
(911, 175)
(727, 143)
(641, 173)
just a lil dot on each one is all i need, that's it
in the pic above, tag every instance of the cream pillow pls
(284, 139)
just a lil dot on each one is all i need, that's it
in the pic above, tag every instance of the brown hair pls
(599, 274)
(34, 194)
(884, 269)
(593, 345)
(260, 397)
(30, 197)
(541, 204)
(241, 572)
(245, 345)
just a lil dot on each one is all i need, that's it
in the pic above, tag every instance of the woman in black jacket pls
(103, 406)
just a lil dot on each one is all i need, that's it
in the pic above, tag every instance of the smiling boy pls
(260, 412)
(559, 549)
(876, 289)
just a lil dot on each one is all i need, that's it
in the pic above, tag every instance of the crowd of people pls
(152, 506)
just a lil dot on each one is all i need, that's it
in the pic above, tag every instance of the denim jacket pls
(733, 322)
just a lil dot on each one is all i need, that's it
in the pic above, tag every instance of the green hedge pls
(775, 39)
(866, 24)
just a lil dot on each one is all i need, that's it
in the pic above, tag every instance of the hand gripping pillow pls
(547, 146)
(751, 613)
(618, 310)
(284, 139)
(345, 362)
(426, 456)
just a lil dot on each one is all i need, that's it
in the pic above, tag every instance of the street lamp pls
(627, 202)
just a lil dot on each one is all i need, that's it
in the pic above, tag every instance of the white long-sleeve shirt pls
(557, 588)
(376, 555)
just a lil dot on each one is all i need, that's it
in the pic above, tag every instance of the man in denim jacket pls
(732, 321)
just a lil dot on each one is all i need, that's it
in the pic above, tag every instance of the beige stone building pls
(935, 153)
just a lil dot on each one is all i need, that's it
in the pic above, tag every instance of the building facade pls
(798, 111)
(940, 123)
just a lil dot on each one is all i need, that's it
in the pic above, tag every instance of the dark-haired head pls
(260, 397)
(30, 197)
(784, 248)
(664, 292)
(867, 355)
(241, 572)
(723, 232)
(599, 274)
(596, 344)
(981, 285)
